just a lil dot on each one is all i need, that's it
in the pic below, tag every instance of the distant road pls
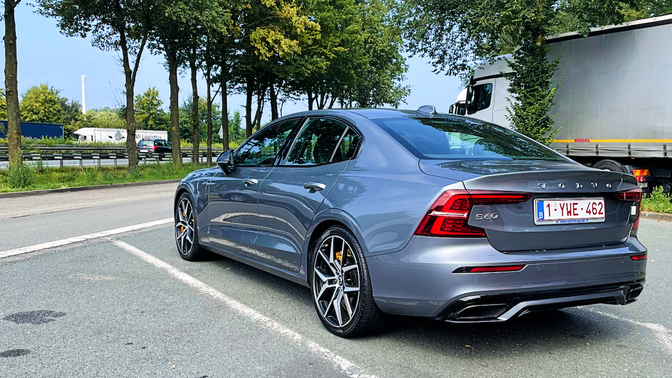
(92, 163)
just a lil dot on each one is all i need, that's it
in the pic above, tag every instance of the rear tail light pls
(634, 195)
(449, 214)
(639, 257)
(629, 195)
(640, 174)
(154, 148)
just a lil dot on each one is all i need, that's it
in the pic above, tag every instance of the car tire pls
(610, 165)
(186, 230)
(333, 279)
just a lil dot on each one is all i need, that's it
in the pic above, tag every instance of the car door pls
(291, 194)
(233, 198)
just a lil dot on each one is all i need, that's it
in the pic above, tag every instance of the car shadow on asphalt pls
(538, 332)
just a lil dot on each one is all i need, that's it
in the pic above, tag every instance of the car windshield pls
(444, 138)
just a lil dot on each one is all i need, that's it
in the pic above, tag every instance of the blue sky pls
(47, 56)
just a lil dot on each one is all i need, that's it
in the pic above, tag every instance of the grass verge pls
(39, 178)
(658, 202)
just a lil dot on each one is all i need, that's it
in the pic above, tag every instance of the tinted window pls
(348, 146)
(264, 146)
(144, 143)
(463, 139)
(481, 95)
(316, 142)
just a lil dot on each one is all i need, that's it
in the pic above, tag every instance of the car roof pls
(371, 113)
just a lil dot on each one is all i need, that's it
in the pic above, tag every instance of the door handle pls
(313, 187)
(250, 181)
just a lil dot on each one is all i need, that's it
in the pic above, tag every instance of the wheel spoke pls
(323, 278)
(337, 307)
(331, 301)
(324, 289)
(328, 264)
(351, 289)
(349, 268)
(346, 300)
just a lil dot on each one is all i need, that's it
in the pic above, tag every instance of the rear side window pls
(348, 147)
(317, 142)
(463, 139)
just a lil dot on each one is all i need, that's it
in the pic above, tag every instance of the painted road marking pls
(77, 239)
(662, 334)
(340, 363)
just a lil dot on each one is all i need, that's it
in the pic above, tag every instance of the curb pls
(657, 216)
(81, 188)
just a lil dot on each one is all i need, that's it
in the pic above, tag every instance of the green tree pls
(121, 25)
(186, 121)
(149, 113)
(456, 35)
(41, 103)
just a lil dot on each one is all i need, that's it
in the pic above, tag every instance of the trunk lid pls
(514, 228)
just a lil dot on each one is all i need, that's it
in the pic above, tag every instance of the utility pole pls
(83, 95)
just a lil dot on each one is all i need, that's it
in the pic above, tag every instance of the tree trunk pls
(131, 147)
(171, 59)
(12, 85)
(249, 91)
(225, 115)
(274, 102)
(195, 150)
(310, 99)
(208, 100)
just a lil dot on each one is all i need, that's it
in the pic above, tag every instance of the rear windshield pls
(145, 143)
(463, 139)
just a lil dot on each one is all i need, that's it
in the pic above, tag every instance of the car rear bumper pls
(420, 279)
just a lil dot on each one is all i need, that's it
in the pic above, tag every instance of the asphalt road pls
(128, 305)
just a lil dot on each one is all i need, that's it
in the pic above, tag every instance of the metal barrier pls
(80, 153)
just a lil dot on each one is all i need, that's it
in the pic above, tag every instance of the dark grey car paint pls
(382, 194)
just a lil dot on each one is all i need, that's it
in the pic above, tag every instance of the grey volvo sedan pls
(416, 213)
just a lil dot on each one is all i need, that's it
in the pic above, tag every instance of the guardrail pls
(80, 153)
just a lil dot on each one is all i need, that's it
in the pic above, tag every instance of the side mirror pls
(225, 161)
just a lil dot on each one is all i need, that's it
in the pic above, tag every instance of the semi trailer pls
(613, 107)
(91, 134)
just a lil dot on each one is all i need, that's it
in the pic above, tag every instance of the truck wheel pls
(610, 165)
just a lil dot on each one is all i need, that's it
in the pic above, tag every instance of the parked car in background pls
(148, 147)
(416, 213)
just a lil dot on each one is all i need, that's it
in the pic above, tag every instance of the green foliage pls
(658, 202)
(532, 92)
(149, 113)
(41, 103)
(3, 105)
(27, 177)
(20, 176)
(185, 119)
(356, 61)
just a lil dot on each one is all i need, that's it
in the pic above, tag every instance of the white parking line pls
(77, 239)
(347, 367)
(663, 334)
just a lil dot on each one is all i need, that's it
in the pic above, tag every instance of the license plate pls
(566, 211)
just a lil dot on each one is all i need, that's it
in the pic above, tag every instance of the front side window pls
(481, 96)
(264, 147)
(316, 143)
(460, 138)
